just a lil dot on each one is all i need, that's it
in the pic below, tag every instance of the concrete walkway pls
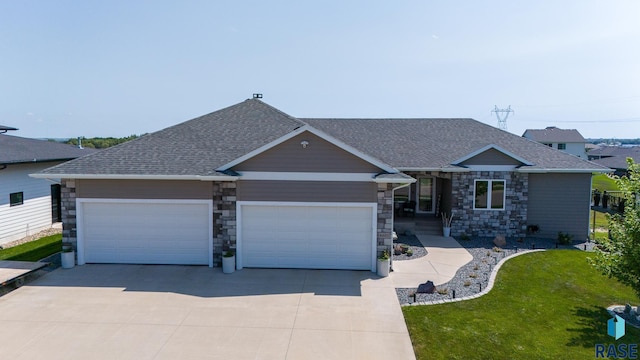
(10, 270)
(444, 257)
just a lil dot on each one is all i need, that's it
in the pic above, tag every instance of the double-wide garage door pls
(144, 232)
(270, 235)
(315, 236)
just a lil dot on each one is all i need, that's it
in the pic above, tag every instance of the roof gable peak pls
(489, 147)
(318, 133)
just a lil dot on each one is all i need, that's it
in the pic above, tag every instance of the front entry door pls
(425, 195)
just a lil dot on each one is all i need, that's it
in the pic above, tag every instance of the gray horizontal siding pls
(318, 156)
(560, 202)
(143, 189)
(319, 191)
(491, 157)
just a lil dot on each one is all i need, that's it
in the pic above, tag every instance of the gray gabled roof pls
(614, 162)
(632, 152)
(436, 143)
(554, 135)
(615, 157)
(196, 148)
(16, 150)
(192, 148)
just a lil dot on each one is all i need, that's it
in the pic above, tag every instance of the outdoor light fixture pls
(304, 144)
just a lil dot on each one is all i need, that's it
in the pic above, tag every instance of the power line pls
(626, 120)
(594, 102)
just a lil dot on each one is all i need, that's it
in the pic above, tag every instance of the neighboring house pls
(28, 205)
(615, 157)
(288, 192)
(567, 140)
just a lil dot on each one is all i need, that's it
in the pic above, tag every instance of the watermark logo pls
(615, 327)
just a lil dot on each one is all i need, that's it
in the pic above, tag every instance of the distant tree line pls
(613, 141)
(100, 142)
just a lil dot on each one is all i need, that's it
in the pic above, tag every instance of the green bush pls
(564, 239)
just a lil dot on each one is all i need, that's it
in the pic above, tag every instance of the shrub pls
(564, 239)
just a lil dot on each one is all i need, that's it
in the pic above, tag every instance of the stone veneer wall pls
(385, 217)
(512, 221)
(224, 219)
(68, 208)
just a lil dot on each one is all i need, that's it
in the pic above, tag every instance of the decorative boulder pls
(500, 241)
(427, 288)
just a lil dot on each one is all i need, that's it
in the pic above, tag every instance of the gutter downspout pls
(393, 221)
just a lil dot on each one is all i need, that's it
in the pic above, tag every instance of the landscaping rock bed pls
(47, 232)
(412, 242)
(473, 277)
(630, 314)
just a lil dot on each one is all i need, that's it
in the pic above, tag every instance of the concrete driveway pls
(192, 312)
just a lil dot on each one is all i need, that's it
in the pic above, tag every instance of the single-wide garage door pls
(144, 232)
(314, 237)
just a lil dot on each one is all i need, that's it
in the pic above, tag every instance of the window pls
(562, 146)
(489, 195)
(549, 145)
(15, 199)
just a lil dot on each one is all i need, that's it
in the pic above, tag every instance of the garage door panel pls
(322, 237)
(145, 233)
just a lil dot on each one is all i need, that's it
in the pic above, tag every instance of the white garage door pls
(314, 237)
(144, 232)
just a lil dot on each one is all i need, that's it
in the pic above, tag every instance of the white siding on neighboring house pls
(577, 149)
(34, 214)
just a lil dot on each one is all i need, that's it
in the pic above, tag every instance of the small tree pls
(619, 255)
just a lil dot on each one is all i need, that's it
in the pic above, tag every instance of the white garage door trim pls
(80, 219)
(372, 206)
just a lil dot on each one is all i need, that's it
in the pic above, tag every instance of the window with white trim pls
(562, 146)
(489, 194)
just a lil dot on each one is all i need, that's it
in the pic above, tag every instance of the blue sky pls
(115, 68)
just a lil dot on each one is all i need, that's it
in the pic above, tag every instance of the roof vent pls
(257, 96)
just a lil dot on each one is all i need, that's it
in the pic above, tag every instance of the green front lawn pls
(602, 182)
(34, 250)
(545, 305)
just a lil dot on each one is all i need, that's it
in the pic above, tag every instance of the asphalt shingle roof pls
(199, 146)
(195, 147)
(554, 135)
(436, 143)
(632, 152)
(15, 150)
(615, 157)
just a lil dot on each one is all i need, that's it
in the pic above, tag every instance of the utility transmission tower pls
(502, 122)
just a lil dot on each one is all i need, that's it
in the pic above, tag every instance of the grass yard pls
(556, 311)
(602, 182)
(34, 250)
